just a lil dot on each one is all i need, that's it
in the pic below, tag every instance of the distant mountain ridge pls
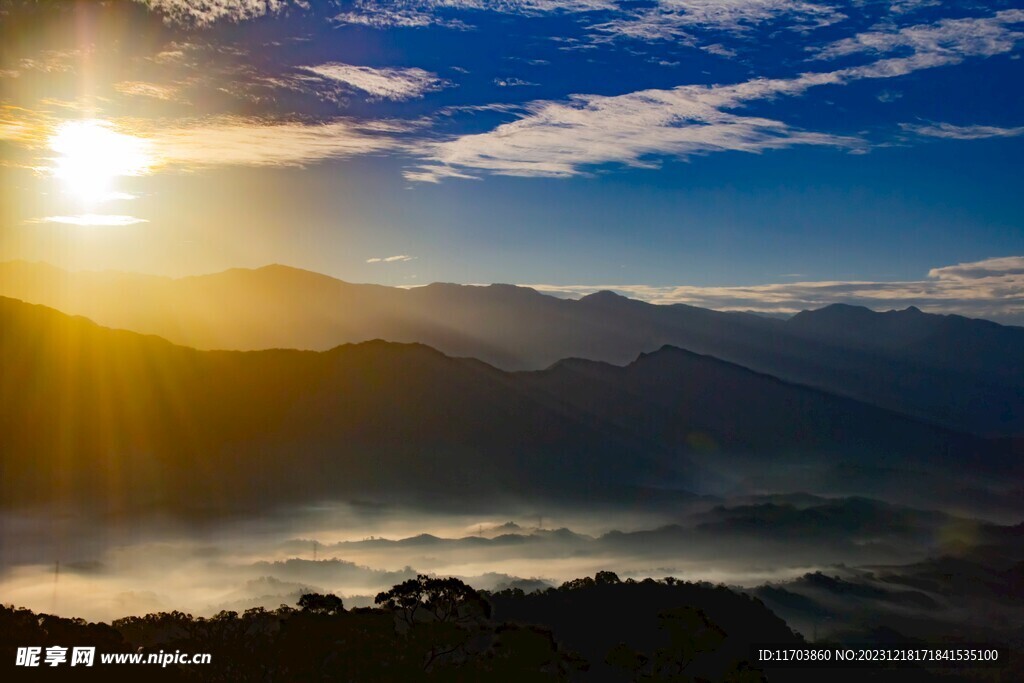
(124, 421)
(952, 371)
(978, 346)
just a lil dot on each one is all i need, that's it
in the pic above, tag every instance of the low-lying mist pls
(103, 569)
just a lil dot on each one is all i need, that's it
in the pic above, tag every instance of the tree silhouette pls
(318, 603)
(439, 617)
(426, 598)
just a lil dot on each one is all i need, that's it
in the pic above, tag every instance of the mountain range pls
(124, 421)
(955, 372)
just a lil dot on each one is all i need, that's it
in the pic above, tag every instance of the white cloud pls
(720, 50)
(512, 83)
(667, 19)
(420, 13)
(238, 141)
(908, 6)
(675, 19)
(980, 270)
(948, 41)
(952, 132)
(155, 91)
(992, 288)
(206, 12)
(400, 258)
(383, 18)
(93, 219)
(14, 130)
(386, 83)
(435, 173)
(560, 139)
(50, 61)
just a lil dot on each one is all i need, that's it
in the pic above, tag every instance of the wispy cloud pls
(992, 289)
(1006, 266)
(887, 96)
(947, 41)
(240, 141)
(676, 19)
(908, 6)
(48, 62)
(512, 83)
(720, 50)
(93, 219)
(23, 126)
(400, 258)
(952, 132)
(396, 17)
(435, 173)
(157, 91)
(421, 13)
(204, 13)
(388, 83)
(560, 139)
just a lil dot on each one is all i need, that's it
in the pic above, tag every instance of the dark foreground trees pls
(427, 629)
(440, 629)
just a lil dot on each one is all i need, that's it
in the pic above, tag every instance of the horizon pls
(632, 292)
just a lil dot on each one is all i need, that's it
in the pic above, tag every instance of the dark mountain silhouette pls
(127, 421)
(961, 373)
(132, 420)
(979, 347)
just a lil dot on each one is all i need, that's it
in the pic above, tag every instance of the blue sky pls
(730, 153)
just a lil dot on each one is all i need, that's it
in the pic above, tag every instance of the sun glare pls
(92, 155)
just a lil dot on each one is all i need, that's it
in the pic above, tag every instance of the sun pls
(91, 155)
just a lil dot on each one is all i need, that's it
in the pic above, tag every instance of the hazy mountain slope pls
(685, 399)
(964, 374)
(280, 307)
(980, 347)
(114, 416)
(102, 415)
(729, 418)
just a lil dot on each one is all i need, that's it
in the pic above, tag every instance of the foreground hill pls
(125, 421)
(952, 371)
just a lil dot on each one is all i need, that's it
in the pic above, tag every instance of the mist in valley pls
(824, 564)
